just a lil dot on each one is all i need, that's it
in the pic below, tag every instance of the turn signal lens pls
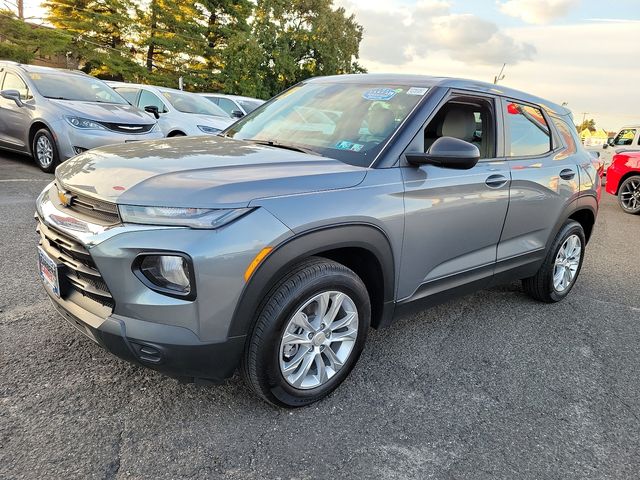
(262, 254)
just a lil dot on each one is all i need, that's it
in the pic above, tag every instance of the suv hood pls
(202, 172)
(104, 112)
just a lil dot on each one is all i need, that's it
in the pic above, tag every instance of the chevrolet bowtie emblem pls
(65, 198)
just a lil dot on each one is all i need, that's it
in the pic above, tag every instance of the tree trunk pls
(21, 9)
(153, 27)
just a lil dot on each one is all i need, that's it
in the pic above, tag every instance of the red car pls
(623, 180)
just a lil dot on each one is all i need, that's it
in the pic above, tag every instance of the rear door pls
(544, 182)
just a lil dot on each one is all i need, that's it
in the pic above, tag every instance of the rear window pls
(528, 131)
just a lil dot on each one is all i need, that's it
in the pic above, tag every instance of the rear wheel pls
(44, 150)
(309, 334)
(559, 272)
(629, 195)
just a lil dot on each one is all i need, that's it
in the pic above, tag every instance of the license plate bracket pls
(50, 272)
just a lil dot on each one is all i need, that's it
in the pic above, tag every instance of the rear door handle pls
(496, 181)
(567, 174)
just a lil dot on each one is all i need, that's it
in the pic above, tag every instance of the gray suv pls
(54, 114)
(342, 204)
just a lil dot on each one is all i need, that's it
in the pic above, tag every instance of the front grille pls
(80, 271)
(128, 128)
(90, 208)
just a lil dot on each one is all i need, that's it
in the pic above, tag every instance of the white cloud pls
(537, 11)
(396, 34)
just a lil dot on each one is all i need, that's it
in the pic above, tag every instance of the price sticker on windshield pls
(380, 93)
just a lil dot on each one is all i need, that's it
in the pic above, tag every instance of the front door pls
(14, 120)
(453, 217)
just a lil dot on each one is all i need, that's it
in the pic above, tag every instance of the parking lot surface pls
(493, 385)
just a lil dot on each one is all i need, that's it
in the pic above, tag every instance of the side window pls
(528, 131)
(470, 119)
(625, 137)
(568, 134)
(227, 105)
(148, 99)
(129, 94)
(14, 82)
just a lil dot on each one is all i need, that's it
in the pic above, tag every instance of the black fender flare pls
(586, 202)
(304, 245)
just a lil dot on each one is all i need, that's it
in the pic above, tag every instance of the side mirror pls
(237, 114)
(152, 109)
(447, 152)
(605, 145)
(611, 141)
(12, 95)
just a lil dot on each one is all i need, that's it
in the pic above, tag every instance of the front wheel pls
(44, 150)
(559, 272)
(629, 195)
(309, 334)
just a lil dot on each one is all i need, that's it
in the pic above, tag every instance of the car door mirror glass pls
(12, 95)
(447, 152)
(237, 114)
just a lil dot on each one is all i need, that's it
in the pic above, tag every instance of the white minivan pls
(179, 113)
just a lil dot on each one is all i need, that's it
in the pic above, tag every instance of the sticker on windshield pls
(344, 145)
(417, 91)
(380, 93)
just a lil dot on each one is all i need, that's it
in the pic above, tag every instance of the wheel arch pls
(362, 247)
(35, 126)
(623, 178)
(175, 132)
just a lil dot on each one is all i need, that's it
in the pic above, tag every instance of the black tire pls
(541, 285)
(630, 186)
(261, 362)
(47, 163)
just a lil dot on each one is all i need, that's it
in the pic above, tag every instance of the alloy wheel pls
(567, 262)
(318, 340)
(44, 151)
(630, 195)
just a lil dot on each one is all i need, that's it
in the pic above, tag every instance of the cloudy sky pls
(584, 52)
(575, 51)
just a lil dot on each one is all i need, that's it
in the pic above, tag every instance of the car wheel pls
(557, 275)
(309, 334)
(629, 195)
(44, 150)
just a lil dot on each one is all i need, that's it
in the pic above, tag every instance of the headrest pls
(459, 123)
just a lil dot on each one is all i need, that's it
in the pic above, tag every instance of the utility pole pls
(584, 116)
(500, 76)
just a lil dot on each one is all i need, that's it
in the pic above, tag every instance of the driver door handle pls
(496, 181)
(567, 174)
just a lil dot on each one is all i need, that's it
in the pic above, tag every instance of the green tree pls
(102, 32)
(589, 124)
(289, 42)
(23, 42)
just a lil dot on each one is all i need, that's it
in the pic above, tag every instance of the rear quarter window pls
(528, 132)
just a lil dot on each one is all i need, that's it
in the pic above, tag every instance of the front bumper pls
(174, 351)
(182, 338)
(68, 138)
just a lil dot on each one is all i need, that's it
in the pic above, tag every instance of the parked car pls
(53, 114)
(623, 180)
(236, 106)
(627, 140)
(273, 249)
(179, 113)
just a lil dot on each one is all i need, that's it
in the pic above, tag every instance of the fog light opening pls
(166, 273)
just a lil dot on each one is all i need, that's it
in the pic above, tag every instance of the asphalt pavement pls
(493, 385)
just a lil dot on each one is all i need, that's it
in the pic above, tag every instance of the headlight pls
(211, 130)
(181, 217)
(83, 123)
(167, 273)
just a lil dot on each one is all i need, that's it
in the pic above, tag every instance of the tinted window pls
(528, 131)
(568, 134)
(148, 99)
(14, 82)
(75, 87)
(625, 137)
(227, 105)
(129, 94)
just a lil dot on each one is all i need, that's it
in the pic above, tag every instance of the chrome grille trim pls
(80, 270)
(90, 207)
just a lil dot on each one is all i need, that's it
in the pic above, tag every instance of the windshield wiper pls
(56, 98)
(295, 148)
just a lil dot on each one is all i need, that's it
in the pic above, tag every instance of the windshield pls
(68, 86)
(192, 103)
(346, 121)
(249, 105)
